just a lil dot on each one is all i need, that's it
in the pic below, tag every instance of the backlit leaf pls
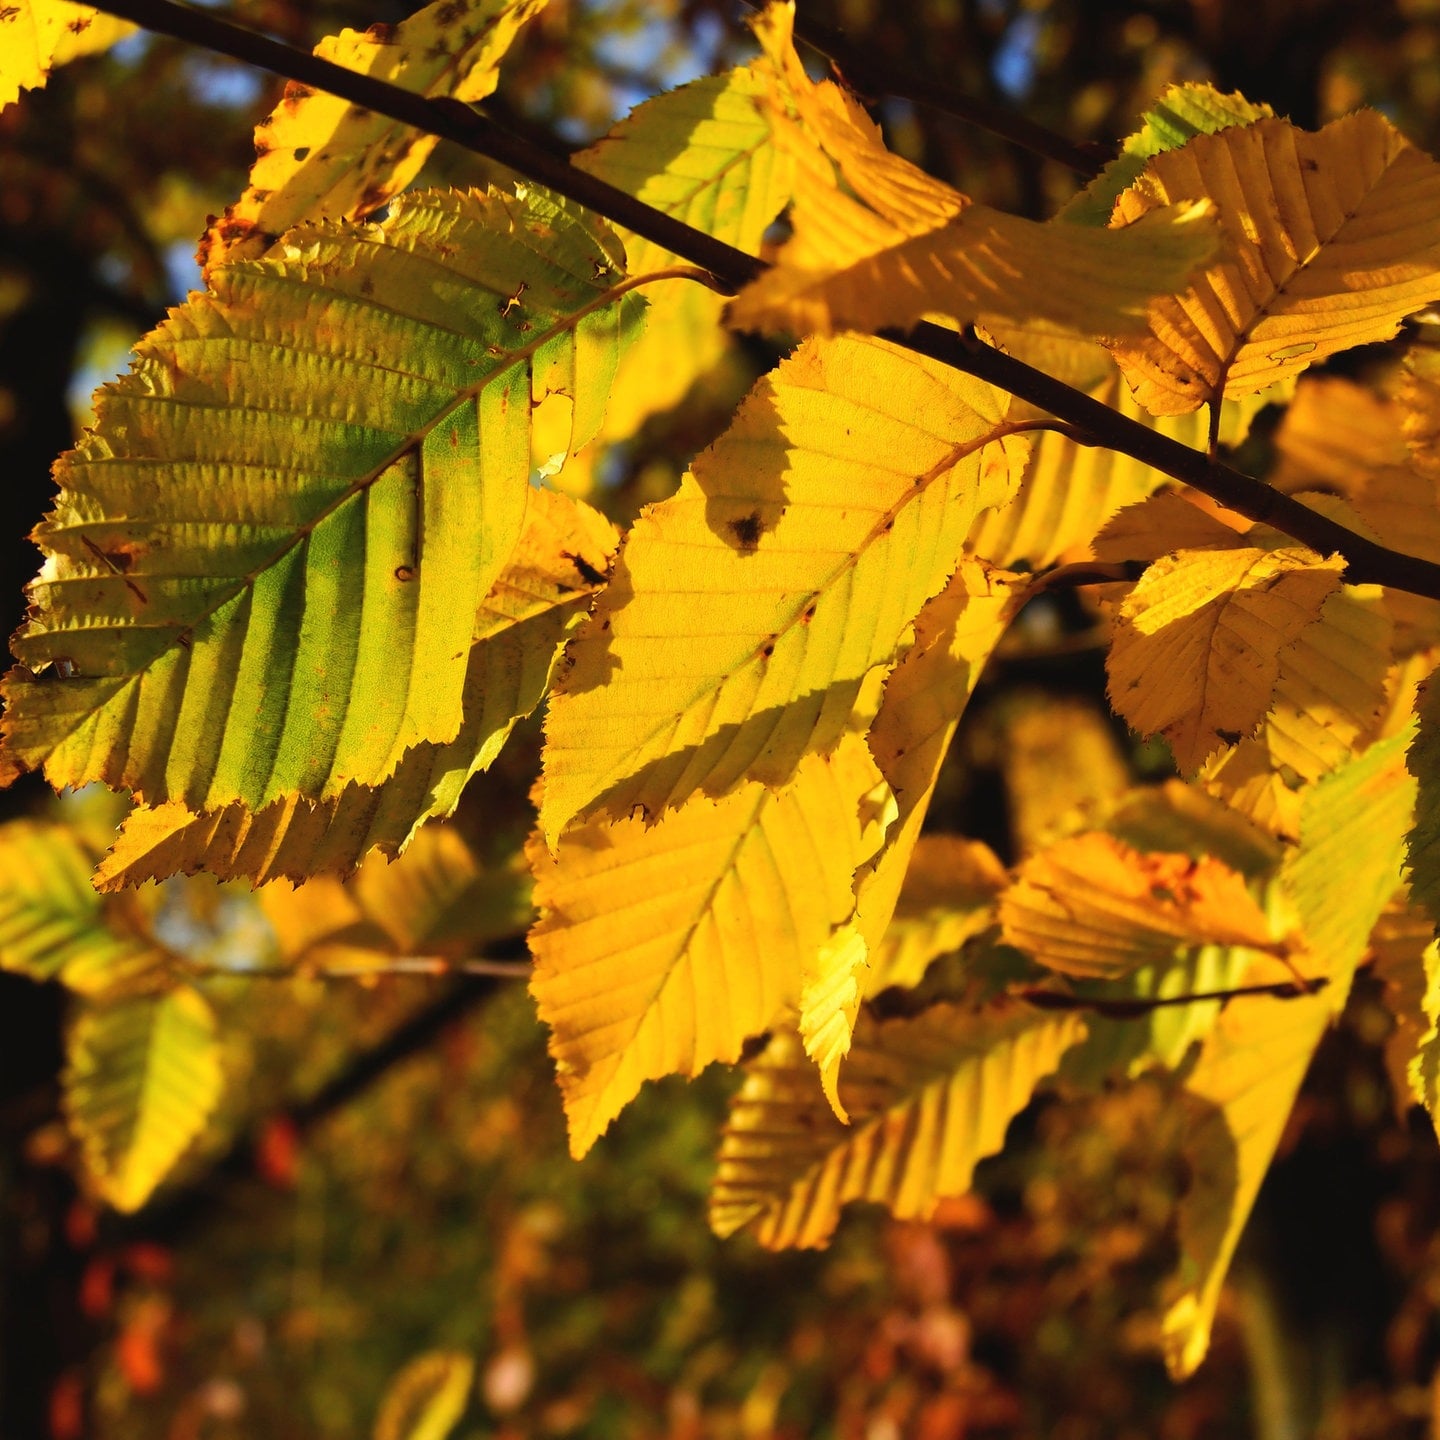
(1197, 643)
(877, 242)
(266, 562)
(928, 1096)
(318, 155)
(746, 612)
(37, 35)
(1091, 906)
(1423, 762)
(1334, 239)
(141, 1079)
(1245, 1081)
(663, 947)
(427, 1398)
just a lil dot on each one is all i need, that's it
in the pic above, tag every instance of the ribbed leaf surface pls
(142, 1078)
(929, 1097)
(565, 548)
(266, 562)
(746, 611)
(662, 948)
(320, 156)
(1333, 239)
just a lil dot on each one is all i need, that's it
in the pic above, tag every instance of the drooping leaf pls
(1091, 906)
(563, 553)
(746, 612)
(703, 154)
(1333, 240)
(37, 35)
(1196, 654)
(662, 948)
(53, 926)
(877, 242)
(142, 1077)
(266, 562)
(928, 1096)
(317, 155)
(1405, 958)
(1181, 113)
(427, 1398)
(1245, 1081)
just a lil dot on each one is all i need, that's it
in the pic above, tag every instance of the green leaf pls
(141, 1079)
(266, 562)
(427, 1398)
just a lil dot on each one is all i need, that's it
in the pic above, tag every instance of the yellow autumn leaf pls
(1243, 1086)
(1196, 653)
(560, 560)
(318, 155)
(746, 612)
(1405, 959)
(1333, 238)
(929, 1097)
(663, 947)
(876, 242)
(1092, 906)
(427, 1398)
(37, 35)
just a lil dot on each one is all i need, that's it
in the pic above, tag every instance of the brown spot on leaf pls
(404, 572)
(381, 33)
(768, 648)
(8, 13)
(746, 531)
(587, 572)
(301, 151)
(808, 614)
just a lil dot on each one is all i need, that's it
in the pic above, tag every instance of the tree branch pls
(1366, 562)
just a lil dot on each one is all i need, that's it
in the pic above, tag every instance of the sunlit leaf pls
(266, 562)
(1091, 906)
(318, 155)
(877, 242)
(928, 1096)
(142, 1077)
(1333, 240)
(1197, 643)
(37, 35)
(1245, 1081)
(427, 1398)
(661, 948)
(746, 612)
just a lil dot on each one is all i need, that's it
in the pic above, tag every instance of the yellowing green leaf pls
(427, 1398)
(662, 948)
(877, 242)
(1091, 906)
(1197, 644)
(928, 1096)
(37, 35)
(53, 926)
(266, 562)
(1333, 240)
(703, 154)
(746, 612)
(319, 156)
(1245, 1081)
(563, 551)
(1181, 113)
(142, 1077)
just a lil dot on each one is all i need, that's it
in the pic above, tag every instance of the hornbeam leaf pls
(1245, 1081)
(142, 1077)
(318, 155)
(53, 926)
(1334, 239)
(1197, 644)
(1423, 762)
(1405, 958)
(746, 612)
(662, 948)
(1092, 906)
(37, 35)
(1353, 823)
(876, 242)
(265, 563)
(703, 154)
(427, 1398)
(563, 551)
(929, 1097)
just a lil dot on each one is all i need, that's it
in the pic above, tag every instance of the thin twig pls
(1366, 561)
(383, 965)
(1134, 1007)
(1086, 572)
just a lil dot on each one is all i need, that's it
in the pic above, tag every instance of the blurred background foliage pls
(389, 1177)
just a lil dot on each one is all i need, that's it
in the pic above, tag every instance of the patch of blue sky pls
(1014, 62)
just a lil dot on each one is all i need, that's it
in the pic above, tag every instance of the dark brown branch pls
(875, 75)
(1136, 1007)
(1366, 562)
